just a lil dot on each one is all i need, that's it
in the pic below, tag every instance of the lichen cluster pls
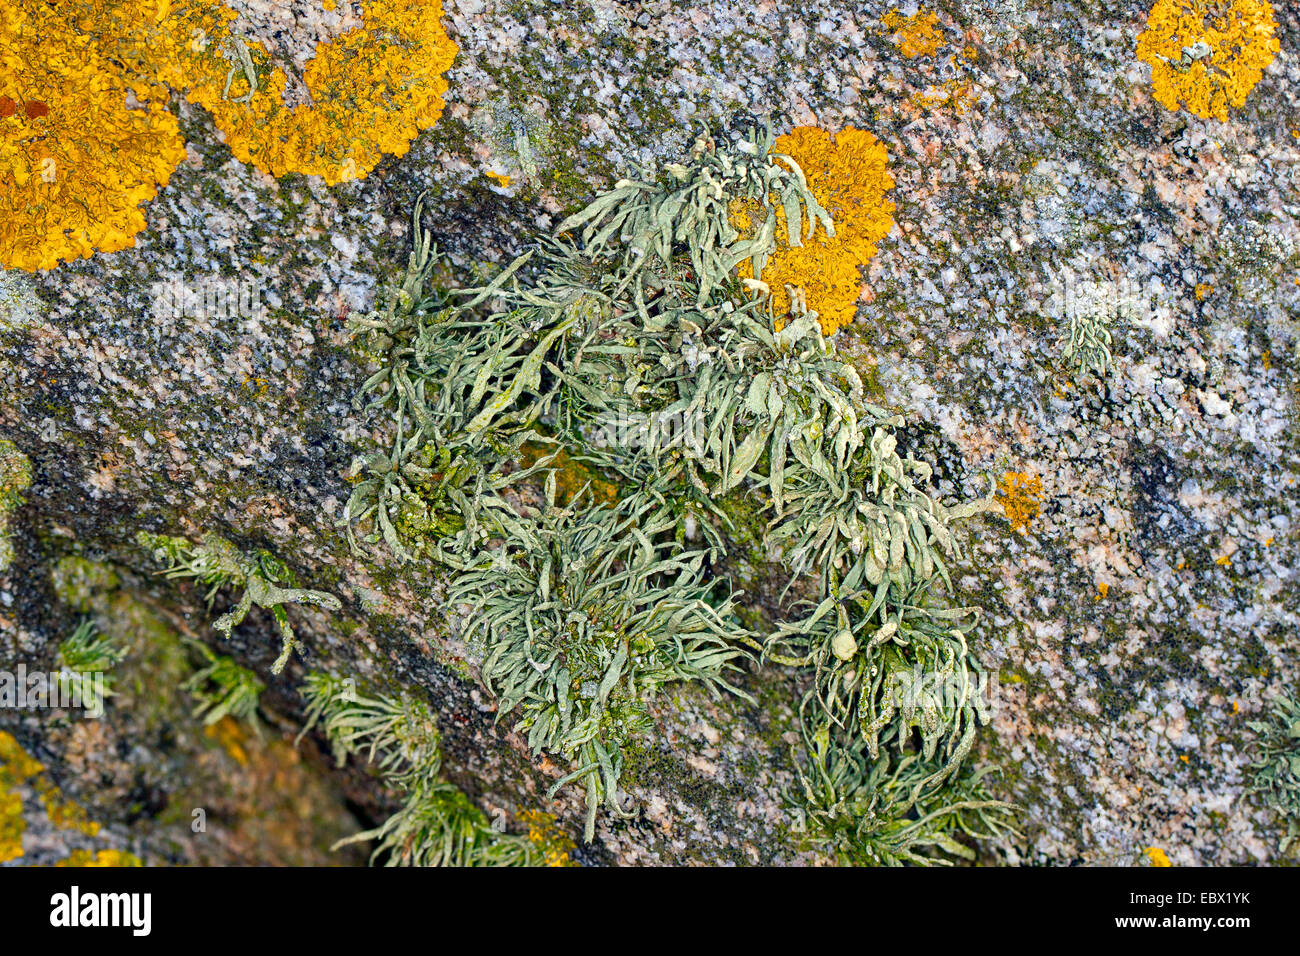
(848, 174)
(632, 340)
(266, 580)
(86, 136)
(84, 143)
(437, 824)
(871, 812)
(1207, 55)
(1275, 772)
(582, 618)
(371, 89)
(915, 35)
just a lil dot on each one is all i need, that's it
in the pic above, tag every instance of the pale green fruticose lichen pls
(629, 340)
(437, 824)
(266, 580)
(582, 618)
(1091, 307)
(222, 688)
(82, 655)
(1276, 770)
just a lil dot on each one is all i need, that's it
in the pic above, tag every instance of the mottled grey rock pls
(1131, 629)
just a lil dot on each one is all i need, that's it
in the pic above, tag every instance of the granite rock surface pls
(1133, 626)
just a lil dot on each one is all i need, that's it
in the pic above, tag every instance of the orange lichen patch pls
(955, 94)
(848, 174)
(545, 834)
(135, 35)
(371, 89)
(915, 35)
(1157, 856)
(1202, 290)
(1207, 55)
(230, 735)
(1103, 589)
(81, 858)
(18, 769)
(12, 826)
(1020, 496)
(64, 813)
(571, 475)
(83, 152)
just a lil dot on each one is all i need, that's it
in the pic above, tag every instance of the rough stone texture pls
(1133, 628)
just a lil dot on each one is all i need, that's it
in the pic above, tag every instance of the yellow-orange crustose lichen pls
(915, 35)
(371, 89)
(86, 139)
(545, 834)
(1020, 494)
(1157, 856)
(955, 94)
(17, 769)
(83, 143)
(135, 35)
(848, 173)
(85, 858)
(1207, 55)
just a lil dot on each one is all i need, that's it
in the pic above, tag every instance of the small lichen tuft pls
(266, 580)
(1020, 496)
(437, 825)
(222, 688)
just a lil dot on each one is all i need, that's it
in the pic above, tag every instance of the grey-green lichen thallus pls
(625, 341)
